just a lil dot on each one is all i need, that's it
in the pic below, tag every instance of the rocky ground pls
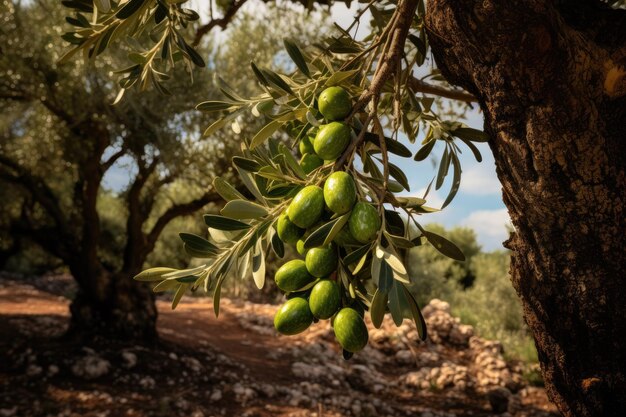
(238, 366)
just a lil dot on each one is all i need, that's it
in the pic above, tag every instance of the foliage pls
(57, 112)
(372, 275)
(490, 303)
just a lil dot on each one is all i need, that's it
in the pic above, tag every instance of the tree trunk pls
(550, 80)
(113, 305)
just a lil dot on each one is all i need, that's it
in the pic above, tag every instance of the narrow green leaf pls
(470, 134)
(378, 307)
(443, 168)
(213, 106)
(399, 175)
(224, 223)
(339, 224)
(165, 285)
(250, 184)
(385, 276)
(292, 162)
(198, 243)
(297, 57)
(398, 303)
(187, 280)
(152, 274)
(214, 127)
(277, 81)
(418, 318)
(339, 76)
(194, 56)
(277, 246)
(195, 253)
(265, 133)
(359, 265)
(179, 294)
(259, 75)
(243, 209)
(184, 272)
(258, 265)
(226, 191)
(474, 149)
(394, 222)
(249, 165)
(399, 241)
(411, 202)
(456, 180)
(357, 254)
(318, 237)
(425, 151)
(217, 293)
(129, 9)
(393, 146)
(444, 246)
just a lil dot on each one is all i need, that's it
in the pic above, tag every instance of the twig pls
(419, 86)
(398, 28)
(399, 25)
(222, 22)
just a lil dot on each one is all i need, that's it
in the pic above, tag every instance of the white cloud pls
(480, 179)
(490, 226)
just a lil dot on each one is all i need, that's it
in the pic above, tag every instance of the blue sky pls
(478, 203)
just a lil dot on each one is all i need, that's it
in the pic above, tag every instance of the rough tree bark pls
(549, 76)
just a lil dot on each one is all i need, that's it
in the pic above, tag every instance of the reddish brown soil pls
(32, 321)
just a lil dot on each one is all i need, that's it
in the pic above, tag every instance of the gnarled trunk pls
(112, 305)
(550, 79)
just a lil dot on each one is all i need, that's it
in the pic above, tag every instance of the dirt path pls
(232, 366)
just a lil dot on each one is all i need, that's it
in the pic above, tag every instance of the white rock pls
(91, 367)
(216, 395)
(130, 359)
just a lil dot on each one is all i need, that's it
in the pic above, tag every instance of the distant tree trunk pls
(549, 76)
(113, 305)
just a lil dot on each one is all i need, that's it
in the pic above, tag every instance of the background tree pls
(61, 135)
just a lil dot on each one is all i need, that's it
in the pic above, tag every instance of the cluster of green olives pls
(311, 284)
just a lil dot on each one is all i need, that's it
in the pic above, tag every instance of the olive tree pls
(549, 77)
(61, 135)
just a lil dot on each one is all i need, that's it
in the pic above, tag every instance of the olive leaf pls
(297, 57)
(416, 314)
(378, 307)
(198, 243)
(470, 134)
(258, 265)
(356, 254)
(243, 209)
(444, 246)
(226, 191)
(264, 134)
(179, 294)
(129, 9)
(213, 106)
(249, 165)
(224, 223)
(456, 180)
(278, 246)
(443, 168)
(320, 234)
(425, 150)
(291, 161)
(152, 274)
(165, 285)
(339, 76)
(337, 226)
